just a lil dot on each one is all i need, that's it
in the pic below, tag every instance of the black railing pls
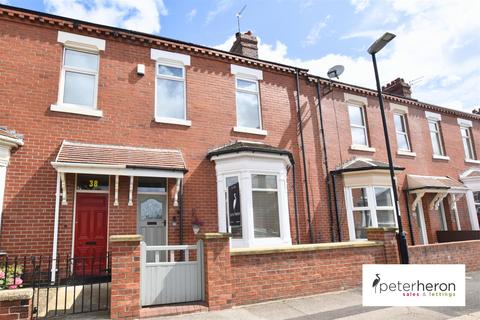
(61, 286)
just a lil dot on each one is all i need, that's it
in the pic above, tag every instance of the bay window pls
(265, 206)
(369, 206)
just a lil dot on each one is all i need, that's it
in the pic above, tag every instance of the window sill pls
(179, 122)
(76, 109)
(406, 153)
(359, 147)
(439, 157)
(472, 161)
(259, 132)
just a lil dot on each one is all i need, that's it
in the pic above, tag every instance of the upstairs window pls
(170, 99)
(435, 136)
(358, 125)
(80, 78)
(170, 87)
(401, 132)
(467, 143)
(248, 104)
(78, 87)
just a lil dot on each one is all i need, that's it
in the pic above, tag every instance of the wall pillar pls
(217, 270)
(390, 244)
(16, 304)
(125, 285)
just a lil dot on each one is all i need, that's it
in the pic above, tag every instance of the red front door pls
(91, 233)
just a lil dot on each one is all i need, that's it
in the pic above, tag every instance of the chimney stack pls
(245, 45)
(398, 87)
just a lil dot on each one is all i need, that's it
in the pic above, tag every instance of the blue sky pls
(437, 44)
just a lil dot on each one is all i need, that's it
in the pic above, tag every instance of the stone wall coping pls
(385, 229)
(306, 247)
(16, 294)
(444, 244)
(126, 238)
(214, 235)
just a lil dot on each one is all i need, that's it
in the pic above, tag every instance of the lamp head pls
(381, 42)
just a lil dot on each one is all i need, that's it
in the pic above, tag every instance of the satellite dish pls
(335, 71)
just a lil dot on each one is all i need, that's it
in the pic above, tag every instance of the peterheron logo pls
(413, 285)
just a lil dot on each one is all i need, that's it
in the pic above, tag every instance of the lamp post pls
(402, 239)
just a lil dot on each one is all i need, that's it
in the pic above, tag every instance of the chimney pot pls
(246, 44)
(398, 87)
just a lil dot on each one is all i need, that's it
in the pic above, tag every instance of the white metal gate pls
(171, 274)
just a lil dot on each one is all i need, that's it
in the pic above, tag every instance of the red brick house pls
(119, 132)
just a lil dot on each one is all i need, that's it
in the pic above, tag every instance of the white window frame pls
(83, 44)
(372, 207)
(421, 222)
(266, 190)
(177, 60)
(244, 165)
(469, 143)
(364, 126)
(438, 134)
(403, 118)
(443, 218)
(250, 75)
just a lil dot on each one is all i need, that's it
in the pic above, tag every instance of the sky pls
(437, 47)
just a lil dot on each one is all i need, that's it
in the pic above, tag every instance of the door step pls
(172, 309)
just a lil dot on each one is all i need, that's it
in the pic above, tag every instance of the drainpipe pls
(334, 182)
(325, 161)
(180, 211)
(295, 203)
(302, 146)
(55, 230)
(407, 195)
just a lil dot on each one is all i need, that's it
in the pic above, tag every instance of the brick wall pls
(125, 283)
(30, 71)
(16, 304)
(463, 252)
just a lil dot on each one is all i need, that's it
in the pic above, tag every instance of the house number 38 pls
(92, 183)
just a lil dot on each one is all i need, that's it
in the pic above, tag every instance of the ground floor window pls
(253, 200)
(369, 206)
(476, 199)
(443, 220)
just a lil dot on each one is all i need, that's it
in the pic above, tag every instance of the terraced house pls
(109, 132)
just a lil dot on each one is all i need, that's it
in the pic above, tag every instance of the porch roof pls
(115, 159)
(434, 183)
(10, 137)
(247, 146)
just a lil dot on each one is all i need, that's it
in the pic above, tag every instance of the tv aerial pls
(335, 71)
(239, 15)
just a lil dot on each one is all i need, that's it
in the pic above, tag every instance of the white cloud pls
(221, 6)
(314, 33)
(360, 5)
(136, 15)
(191, 14)
(436, 40)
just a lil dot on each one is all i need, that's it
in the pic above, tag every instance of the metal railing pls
(62, 286)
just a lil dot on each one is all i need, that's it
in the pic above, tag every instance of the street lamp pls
(374, 49)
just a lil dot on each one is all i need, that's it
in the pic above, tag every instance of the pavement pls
(344, 305)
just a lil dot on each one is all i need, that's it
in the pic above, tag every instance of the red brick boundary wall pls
(390, 244)
(125, 285)
(218, 271)
(463, 252)
(16, 304)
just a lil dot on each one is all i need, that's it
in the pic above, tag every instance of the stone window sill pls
(259, 132)
(358, 147)
(180, 122)
(406, 153)
(439, 157)
(76, 109)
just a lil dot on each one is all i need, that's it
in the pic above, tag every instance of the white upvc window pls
(253, 200)
(403, 142)
(78, 88)
(369, 206)
(170, 87)
(358, 125)
(436, 138)
(247, 95)
(467, 142)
